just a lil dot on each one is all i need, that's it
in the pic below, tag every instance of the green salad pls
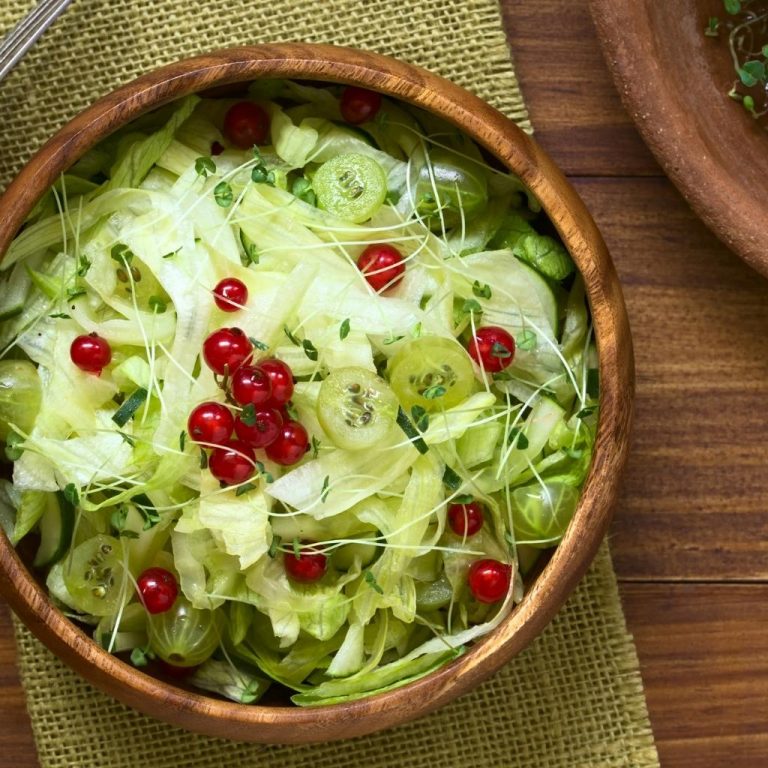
(294, 389)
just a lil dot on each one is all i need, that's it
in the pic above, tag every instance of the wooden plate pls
(674, 82)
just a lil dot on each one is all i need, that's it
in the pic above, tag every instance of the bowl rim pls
(501, 137)
(656, 104)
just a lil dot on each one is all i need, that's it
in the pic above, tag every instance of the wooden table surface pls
(690, 539)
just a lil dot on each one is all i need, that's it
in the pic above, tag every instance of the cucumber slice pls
(56, 526)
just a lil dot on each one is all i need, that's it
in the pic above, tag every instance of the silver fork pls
(24, 35)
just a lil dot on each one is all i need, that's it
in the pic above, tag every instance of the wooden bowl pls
(287, 724)
(674, 83)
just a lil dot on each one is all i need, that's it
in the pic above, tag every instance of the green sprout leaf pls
(433, 392)
(732, 6)
(248, 415)
(258, 344)
(291, 337)
(274, 546)
(263, 472)
(344, 329)
(141, 656)
(127, 438)
(471, 306)
(500, 351)
(527, 340)
(517, 438)
(244, 488)
(146, 509)
(370, 579)
(309, 349)
(751, 73)
(205, 166)
(83, 265)
(71, 494)
(182, 440)
(326, 487)
(297, 547)
(481, 290)
(315, 447)
(121, 253)
(302, 189)
(223, 195)
(157, 304)
(203, 459)
(420, 417)
(118, 517)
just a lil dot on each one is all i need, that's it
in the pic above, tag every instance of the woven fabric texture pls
(572, 700)
(99, 44)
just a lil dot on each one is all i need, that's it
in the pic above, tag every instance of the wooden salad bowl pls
(674, 83)
(516, 151)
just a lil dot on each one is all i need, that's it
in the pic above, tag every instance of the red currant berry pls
(225, 350)
(308, 566)
(158, 589)
(281, 377)
(465, 519)
(382, 265)
(210, 423)
(230, 294)
(233, 463)
(90, 353)
(250, 384)
(260, 428)
(492, 348)
(216, 149)
(246, 124)
(489, 580)
(359, 105)
(290, 445)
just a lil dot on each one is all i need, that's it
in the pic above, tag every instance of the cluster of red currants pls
(260, 393)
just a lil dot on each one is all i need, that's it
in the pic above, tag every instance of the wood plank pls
(693, 505)
(16, 744)
(575, 108)
(704, 657)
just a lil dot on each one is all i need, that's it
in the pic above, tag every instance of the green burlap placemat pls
(574, 699)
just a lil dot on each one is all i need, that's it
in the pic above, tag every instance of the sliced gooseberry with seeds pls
(94, 575)
(431, 372)
(356, 408)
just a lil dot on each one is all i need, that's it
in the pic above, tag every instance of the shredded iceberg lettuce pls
(131, 245)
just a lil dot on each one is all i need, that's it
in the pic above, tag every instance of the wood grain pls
(674, 82)
(16, 745)
(576, 117)
(702, 646)
(693, 505)
(704, 655)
